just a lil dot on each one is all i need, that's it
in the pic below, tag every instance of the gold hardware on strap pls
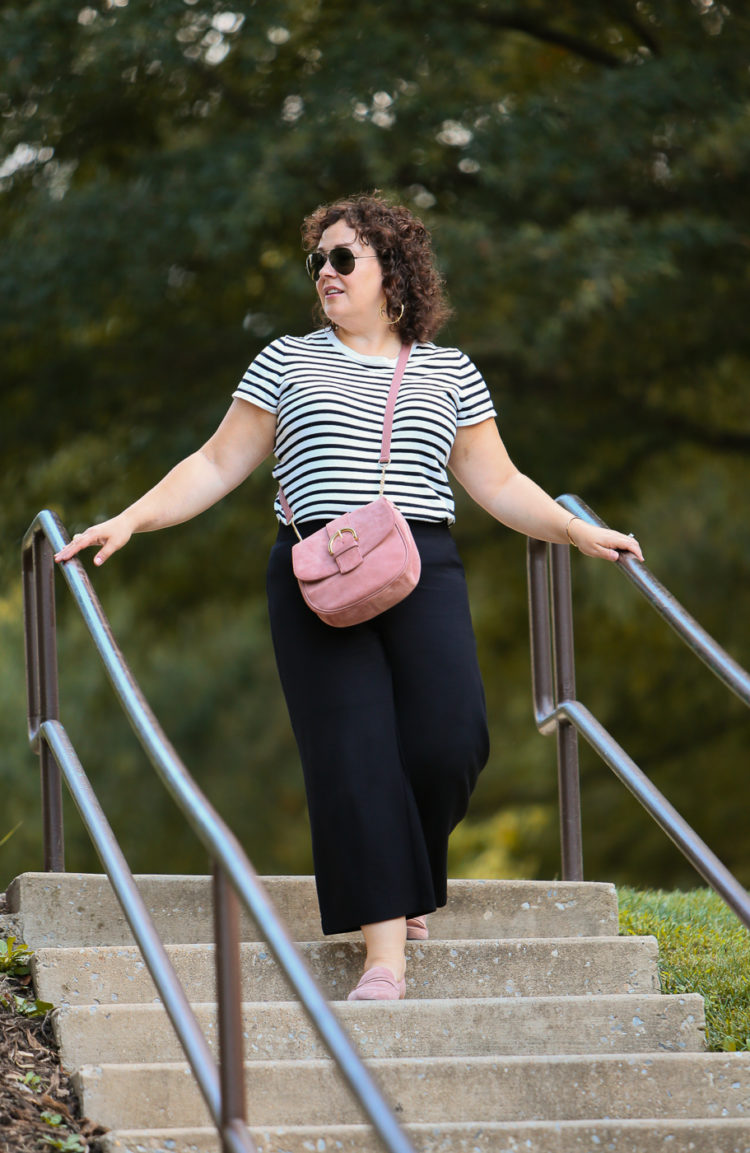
(340, 533)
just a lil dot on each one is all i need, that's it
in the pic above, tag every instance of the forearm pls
(188, 489)
(244, 438)
(482, 465)
(522, 505)
(192, 486)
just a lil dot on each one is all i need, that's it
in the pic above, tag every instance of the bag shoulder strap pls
(385, 445)
(390, 406)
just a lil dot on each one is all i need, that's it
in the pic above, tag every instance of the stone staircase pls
(529, 1025)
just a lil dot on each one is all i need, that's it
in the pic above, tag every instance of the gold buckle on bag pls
(340, 533)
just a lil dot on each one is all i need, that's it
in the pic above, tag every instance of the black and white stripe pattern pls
(330, 402)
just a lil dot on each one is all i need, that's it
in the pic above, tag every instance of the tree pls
(583, 169)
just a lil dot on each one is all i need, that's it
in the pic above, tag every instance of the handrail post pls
(42, 681)
(571, 835)
(540, 629)
(30, 634)
(229, 996)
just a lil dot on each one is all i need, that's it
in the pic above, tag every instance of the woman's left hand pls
(604, 543)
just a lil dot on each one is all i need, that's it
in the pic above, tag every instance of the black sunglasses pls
(342, 261)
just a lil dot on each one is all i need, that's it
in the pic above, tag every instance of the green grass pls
(703, 948)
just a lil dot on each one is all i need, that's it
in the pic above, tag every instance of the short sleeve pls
(261, 384)
(475, 401)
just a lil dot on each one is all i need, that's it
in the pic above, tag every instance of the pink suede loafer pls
(416, 929)
(378, 984)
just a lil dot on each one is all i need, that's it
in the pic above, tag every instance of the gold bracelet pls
(567, 530)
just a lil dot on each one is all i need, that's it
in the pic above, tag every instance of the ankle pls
(393, 961)
(385, 944)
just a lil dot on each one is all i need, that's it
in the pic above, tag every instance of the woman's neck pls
(379, 342)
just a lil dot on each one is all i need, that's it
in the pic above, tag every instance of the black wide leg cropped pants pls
(391, 725)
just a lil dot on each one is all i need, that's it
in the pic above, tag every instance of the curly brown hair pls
(403, 247)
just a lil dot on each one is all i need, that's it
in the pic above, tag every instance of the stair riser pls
(435, 1092)
(113, 1034)
(562, 1137)
(435, 969)
(73, 909)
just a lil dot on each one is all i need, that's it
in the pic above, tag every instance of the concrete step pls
(95, 1034)
(436, 1091)
(677, 1136)
(73, 909)
(529, 1025)
(527, 968)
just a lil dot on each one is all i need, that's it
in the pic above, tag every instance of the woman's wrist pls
(129, 518)
(567, 530)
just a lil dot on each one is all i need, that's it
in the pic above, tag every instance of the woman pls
(389, 715)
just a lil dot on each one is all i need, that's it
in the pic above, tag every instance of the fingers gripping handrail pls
(557, 710)
(234, 875)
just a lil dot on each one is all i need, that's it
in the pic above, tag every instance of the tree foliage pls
(583, 167)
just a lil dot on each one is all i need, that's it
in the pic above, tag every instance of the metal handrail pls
(660, 598)
(235, 880)
(556, 709)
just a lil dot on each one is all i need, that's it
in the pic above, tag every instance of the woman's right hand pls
(111, 535)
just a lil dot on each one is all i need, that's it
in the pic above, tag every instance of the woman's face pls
(352, 302)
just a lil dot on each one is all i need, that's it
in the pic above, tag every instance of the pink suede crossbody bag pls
(365, 561)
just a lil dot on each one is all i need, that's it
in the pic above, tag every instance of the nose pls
(327, 269)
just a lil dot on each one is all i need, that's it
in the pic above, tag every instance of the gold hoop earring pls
(384, 314)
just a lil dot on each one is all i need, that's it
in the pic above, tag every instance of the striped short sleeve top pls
(329, 403)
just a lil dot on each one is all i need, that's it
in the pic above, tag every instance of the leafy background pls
(584, 168)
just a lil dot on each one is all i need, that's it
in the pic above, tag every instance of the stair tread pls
(653, 1061)
(727, 1135)
(627, 1001)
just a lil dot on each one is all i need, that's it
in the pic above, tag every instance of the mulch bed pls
(39, 1110)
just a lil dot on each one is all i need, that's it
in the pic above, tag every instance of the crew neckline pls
(362, 357)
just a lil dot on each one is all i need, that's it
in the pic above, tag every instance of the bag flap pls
(311, 559)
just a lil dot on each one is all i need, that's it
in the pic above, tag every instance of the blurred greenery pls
(584, 169)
